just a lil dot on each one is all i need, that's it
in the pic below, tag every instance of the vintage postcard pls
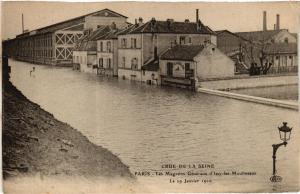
(150, 97)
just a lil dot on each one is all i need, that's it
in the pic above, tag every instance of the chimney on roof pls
(113, 26)
(264, 21)
(186, 21)
(274, 26)
(277, 22)
(169, 22)
(197, 15)
(152, 22)
(135, 21)
(140, 21)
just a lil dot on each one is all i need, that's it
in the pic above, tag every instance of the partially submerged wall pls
(249, 82)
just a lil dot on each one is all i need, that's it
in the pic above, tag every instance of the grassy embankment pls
(34, 142)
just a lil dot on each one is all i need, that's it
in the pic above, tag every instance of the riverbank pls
(34, 142)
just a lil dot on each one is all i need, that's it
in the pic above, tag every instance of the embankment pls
(34, 142)
(249, 82)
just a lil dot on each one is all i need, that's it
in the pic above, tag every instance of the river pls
(149, 126)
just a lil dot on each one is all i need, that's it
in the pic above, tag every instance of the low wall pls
(249, 82)
(260, 100)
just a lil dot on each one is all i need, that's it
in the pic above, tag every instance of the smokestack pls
(197, 15)
(277, 22)
(264, 21)
(22, 23)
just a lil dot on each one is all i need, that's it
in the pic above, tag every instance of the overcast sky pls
(232, 16)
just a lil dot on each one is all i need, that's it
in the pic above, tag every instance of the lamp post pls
(284, 134)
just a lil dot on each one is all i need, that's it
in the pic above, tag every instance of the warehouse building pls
(54, 44)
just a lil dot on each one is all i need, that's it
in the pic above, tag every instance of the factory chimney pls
(277, 22)
(264, 21)
(22, 23)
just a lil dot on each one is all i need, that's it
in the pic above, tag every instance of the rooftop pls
(281, 48)
(170, 26)
(182, 52)
(72, 22)
(259, 35)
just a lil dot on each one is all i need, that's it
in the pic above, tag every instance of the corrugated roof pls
(281, 48)
(182, 52)
(154, 26)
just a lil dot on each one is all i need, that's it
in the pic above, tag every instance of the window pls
(101, 46)
(108, 63)
(123, 61)
(285, 60)
(133, 43)
(100, 62)
(291, 60)
(181, 40)
(123, 43)
(187, 66)
(286, 40)
(134, 64)
(190, 40)
(108, 45)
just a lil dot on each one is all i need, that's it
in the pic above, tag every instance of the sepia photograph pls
(150, 97)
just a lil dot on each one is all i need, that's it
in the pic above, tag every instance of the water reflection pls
(147, 126)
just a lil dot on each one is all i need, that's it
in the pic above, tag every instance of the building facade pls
(54, 44)
(185, 65)
(107, 53)
(142, 45)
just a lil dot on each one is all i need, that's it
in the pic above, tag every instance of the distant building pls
(107, 53)
(283, 56)
(239, 49)
(184, 65)
(54, 44)
(269, 36)
(275, 48)
(140, 47)
(85, 52)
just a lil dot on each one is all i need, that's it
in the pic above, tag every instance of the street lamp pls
(285, 135)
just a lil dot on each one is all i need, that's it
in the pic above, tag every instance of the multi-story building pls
(85, 52)
(54, 44)
(139, 49)
(107, 53)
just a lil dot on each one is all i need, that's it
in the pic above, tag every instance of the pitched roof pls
(281, 48)
(153, 65)
(169, 26)
(220, 32)
(88, 42)
(261, 36)
(128, 29)
(182, 52)
(73, 21)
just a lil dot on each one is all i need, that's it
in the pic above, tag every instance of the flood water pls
(148, 126)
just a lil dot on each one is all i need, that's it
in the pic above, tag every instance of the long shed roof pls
(71, 22)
